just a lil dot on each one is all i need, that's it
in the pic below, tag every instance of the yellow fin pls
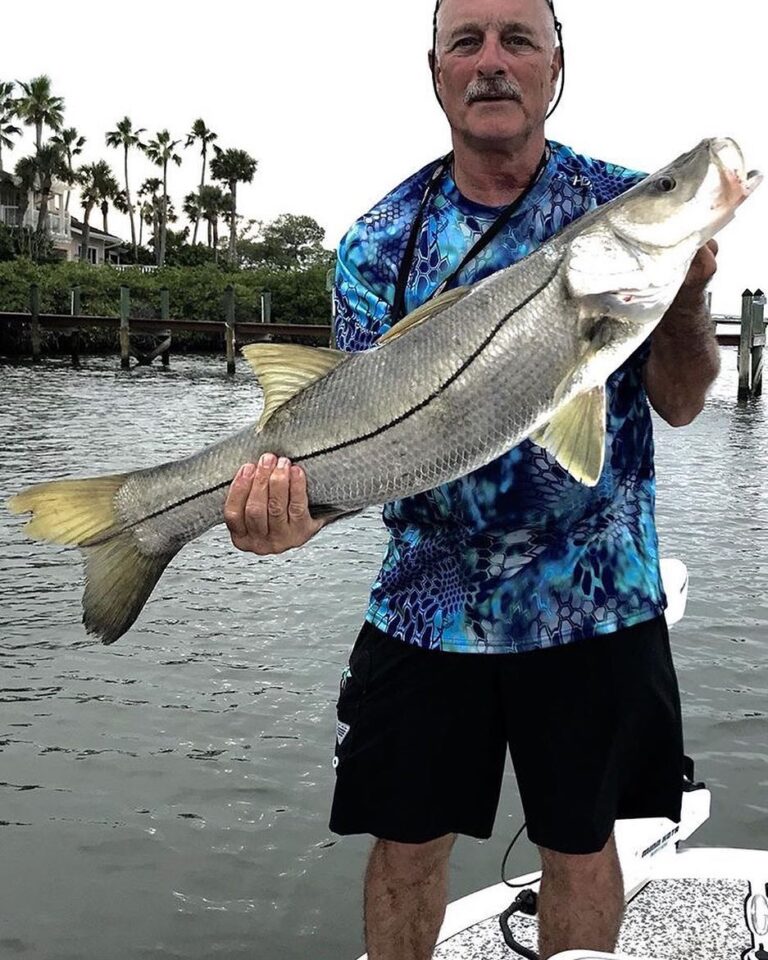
(285, 369)
(575, 436)
(426, 310)
(118, 581)
(70, 512)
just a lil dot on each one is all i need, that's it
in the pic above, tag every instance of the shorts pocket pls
(352, 687)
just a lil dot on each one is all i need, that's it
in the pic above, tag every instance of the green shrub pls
(195, 293)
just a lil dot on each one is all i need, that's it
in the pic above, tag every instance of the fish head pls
(687, 202)
(631, 258)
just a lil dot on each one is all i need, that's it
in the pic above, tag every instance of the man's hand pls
(700, 272)
(267, 510)
(685, 357)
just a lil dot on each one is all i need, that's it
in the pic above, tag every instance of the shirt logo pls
(342, 729)
(579, 180)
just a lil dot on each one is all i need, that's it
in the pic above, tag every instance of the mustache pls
(484, 88)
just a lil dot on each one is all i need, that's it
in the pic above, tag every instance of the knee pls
(413, 861)
(578, 868)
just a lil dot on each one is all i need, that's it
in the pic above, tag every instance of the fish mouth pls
(729, 159)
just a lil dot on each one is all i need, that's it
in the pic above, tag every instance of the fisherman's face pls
(496, 68)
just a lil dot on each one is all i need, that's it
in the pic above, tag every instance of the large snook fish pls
(524, 353)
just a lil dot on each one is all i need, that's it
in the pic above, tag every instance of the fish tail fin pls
(70, 512)
(119, 576)
(118, 582)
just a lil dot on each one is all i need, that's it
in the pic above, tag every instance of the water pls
(167, 797)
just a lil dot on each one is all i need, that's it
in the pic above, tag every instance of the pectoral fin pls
(575, 436)
(284, 369)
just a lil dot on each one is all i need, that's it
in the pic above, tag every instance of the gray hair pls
(553, 37)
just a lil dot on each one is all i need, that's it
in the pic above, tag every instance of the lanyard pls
(439, 169)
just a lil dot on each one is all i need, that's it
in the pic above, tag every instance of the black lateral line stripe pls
(443, 386)
(368, 436)
(104, 537)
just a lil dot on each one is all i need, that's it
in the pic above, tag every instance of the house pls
(66, 231)
(102, 247)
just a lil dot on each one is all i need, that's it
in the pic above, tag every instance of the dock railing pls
(233, 332)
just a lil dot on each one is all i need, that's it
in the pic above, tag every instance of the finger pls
(277, 504)
(255, 508)
(298, 504)
(237, 497)
(713, 246)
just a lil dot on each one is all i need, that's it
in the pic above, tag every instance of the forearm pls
(684, 360)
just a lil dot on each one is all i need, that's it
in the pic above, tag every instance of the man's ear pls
(434, 69)
(557, 66)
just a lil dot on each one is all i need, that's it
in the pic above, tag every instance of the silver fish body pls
(524, 353)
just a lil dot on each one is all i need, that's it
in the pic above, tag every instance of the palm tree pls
(7, 113)
(38, 106)
(120, 204)
(191, 207)
(161, 152)
(150, 210)
(126, 137)
(200, 132)
(72, 145)
(97, 183)
(213, 202)
(233, 167)
(49, 163)
(146, 215)
(26, 171)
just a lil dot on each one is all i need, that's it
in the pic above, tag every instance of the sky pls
(335, 101)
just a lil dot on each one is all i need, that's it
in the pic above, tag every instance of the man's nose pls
(492, 60)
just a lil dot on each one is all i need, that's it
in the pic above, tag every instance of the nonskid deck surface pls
(681, 919)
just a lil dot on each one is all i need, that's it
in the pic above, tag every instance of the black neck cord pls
(439, 169)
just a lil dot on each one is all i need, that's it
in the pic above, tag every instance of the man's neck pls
(496, 176)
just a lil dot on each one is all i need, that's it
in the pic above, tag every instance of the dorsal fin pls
(285, 369)
(426, 310)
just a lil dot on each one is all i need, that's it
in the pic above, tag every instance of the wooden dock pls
(234, 332)
(749, 337)
(747, 332)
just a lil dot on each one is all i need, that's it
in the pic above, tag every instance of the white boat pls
(692, 903)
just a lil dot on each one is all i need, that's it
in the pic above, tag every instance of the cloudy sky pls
(334, 99)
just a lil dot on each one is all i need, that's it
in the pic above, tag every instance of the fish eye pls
(666, 184)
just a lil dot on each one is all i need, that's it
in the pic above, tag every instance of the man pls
(516, 608)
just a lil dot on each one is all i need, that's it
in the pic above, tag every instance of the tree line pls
(33, 103)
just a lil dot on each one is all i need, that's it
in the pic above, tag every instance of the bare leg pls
(581, 902)
(406, 890)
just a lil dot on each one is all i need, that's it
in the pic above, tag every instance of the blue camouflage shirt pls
(517, 555)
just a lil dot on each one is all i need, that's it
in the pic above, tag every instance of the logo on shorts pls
(342, 729)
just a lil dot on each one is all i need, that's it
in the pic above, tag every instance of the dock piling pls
(125, 330)
(165, 313)
(229, 320)
(34, 309)
(758, 341)
(266, 306)
(745, 343)
(74, 337)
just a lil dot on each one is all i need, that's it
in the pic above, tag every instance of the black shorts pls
(593, 729)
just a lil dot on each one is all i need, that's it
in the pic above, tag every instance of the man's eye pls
(465, 42)
(519, 41)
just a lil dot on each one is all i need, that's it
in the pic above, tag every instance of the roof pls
(94, 231)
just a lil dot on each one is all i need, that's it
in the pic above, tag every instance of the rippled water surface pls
(167, 797)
